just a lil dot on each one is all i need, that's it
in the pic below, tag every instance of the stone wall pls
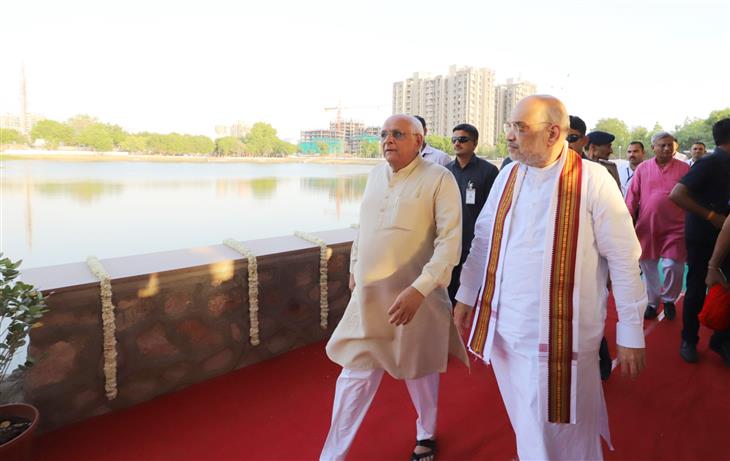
(176, 328)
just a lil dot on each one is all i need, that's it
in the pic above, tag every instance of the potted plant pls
(21, 307)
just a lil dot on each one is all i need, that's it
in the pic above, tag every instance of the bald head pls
(537, 130)
(551, 110)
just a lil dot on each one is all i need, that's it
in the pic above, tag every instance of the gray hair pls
(660, 135)
(415, 123)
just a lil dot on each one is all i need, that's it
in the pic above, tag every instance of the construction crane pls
(340, 129)
(341, 132)
(338, 122)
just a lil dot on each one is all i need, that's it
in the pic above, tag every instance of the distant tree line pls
(261, 141)
(88, 133)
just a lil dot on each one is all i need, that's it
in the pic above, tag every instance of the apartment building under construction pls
(342, 137)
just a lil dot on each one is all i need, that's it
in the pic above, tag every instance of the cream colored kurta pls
(410, 234)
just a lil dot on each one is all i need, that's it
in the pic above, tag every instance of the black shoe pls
(670, 311)
(722, 349)
(650, 313)
(688, 352)
(604, 360)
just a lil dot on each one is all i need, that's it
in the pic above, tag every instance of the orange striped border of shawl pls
(562, 281)
(481, 324)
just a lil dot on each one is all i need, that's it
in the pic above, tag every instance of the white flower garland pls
(109, 327)
(323, 256)
(253, 289)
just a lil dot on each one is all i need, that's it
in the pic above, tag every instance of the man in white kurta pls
(518, 338)
(399, 316)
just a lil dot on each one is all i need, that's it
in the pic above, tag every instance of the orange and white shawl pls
(558, 336)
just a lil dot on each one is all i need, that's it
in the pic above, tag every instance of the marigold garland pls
(109, 326)
(323, 256)
(253, 288)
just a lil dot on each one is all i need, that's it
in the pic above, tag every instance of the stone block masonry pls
(175, 328)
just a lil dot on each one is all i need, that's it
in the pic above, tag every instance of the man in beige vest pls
(399, 317)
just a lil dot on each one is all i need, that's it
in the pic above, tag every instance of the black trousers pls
(697, 258)
(454, 285)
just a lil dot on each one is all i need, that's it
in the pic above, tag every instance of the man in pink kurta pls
(659, 224)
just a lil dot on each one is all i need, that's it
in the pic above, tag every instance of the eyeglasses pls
(573, 138)
(397, 134)
(460, 139)
(519, 127)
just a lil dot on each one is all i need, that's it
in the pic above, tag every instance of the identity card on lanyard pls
(471, 194)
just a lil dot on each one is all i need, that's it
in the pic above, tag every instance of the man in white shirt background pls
(634, 156)
(429, 152)
(698, 150)
(677, 154)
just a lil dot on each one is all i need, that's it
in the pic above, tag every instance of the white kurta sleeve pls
(617, 243)
(447, 245)
(472, 272)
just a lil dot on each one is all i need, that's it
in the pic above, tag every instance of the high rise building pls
(238, 130)
(464, 95)
(506, 97)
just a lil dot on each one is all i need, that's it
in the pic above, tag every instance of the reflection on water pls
(55, 212)
(345, 188)
(264, 187)
(82, 192)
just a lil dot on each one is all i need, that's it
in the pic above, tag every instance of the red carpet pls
(280, 410)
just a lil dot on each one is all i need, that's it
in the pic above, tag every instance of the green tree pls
(717, 115)
(691, 131)
(369, 149)
(229, 145)
(262, 140)
(199, 144)
(641, 134)
(52, 132)
(79, 123)
(699, 129)
(117, 134)
(134, 144)
(283, 147)
(96, 137)
(617, 128)
(11, 136)
(440, 142)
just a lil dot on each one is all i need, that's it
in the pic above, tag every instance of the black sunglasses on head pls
(573, 137)
(460, 139)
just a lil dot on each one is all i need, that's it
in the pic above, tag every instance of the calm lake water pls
(56, 212)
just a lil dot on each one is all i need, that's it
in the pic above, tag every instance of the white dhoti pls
(517, 372)
(353, 395)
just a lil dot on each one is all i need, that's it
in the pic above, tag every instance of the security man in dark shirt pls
(475, 177)
(705, 193)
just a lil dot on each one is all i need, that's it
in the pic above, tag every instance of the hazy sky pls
(187, 66)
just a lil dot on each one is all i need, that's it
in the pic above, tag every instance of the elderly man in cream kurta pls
(399, 317)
